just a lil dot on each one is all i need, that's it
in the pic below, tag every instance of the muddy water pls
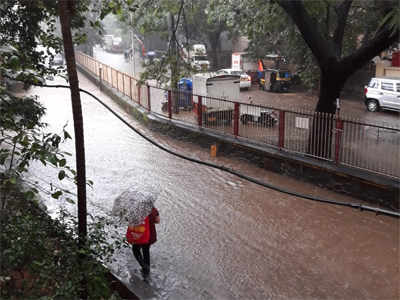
(224, 238)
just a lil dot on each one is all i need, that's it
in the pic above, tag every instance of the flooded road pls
(116, 60)
(221, 237)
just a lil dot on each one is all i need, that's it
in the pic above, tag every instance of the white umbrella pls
(133, 206)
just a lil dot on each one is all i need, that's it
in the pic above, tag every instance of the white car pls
(245, 80)
(383, 93)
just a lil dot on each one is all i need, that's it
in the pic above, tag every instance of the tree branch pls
(318, 44)
(383, 40)
(328, 18)
(342, 11)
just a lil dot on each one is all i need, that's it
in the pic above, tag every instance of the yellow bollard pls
(213, 150)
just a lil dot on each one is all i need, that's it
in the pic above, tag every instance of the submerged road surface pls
(221, 237)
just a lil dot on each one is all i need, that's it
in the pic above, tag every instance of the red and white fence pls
(339, 139)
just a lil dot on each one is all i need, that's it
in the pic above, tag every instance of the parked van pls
(382, 93)
(215, 89)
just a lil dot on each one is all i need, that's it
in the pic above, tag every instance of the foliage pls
(23, 140)
(392, 20)
(30, 38)
(41, 256)
(271, 30)
(29, 28)
(92, 30)
(205, 22)
(33, 30)
(28, 42)
(193, 21)
(22, 135)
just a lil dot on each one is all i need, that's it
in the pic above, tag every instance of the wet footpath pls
(221, 237)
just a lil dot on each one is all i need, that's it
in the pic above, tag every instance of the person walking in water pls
(142, 237)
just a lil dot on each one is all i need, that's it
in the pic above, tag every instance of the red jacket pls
(153, 232)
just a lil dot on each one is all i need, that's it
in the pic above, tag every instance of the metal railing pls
(340, 139)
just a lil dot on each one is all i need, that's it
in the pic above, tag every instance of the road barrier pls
(339, 139)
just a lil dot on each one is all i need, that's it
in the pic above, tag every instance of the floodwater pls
(116, 60)
(221, 237)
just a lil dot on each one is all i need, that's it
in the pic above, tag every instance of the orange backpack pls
(139, 234)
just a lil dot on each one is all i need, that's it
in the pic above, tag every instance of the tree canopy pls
(338, 37)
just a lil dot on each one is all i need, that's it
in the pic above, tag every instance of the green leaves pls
(61, 175)
(62, 162)
(56, 195)
(391, 20)
(47, 251)
(14, 62)
(23, 140)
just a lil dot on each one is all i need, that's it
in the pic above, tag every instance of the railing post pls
(338, 139)
(148, 97)
(281, 129)
(112, 79)
(123, 84)
(117, 80)
(106, 73)
(236, 119)
(200, 110)
(169, 104)
(130, 87)
(100, 78)
(139, 88)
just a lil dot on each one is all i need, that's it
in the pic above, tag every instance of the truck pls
(215, 90)
(242, 62)
(197, 57)
(112, 43)
(117, 45)
(108, 42)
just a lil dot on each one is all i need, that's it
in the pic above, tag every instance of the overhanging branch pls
(319, 45)
(383, 40)
(342, 12)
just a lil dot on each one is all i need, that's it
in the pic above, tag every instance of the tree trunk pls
(321, 134)
(66, 12)
(331, 83)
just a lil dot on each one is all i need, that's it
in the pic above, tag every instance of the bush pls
(40, 256)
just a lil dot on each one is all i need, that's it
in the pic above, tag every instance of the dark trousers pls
(142, 255)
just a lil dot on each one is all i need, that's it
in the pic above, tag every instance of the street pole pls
(134, 59)
(133, 47)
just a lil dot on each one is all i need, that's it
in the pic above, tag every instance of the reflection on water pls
(224, 238)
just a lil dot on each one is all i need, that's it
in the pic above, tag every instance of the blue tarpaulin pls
(185, 87)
